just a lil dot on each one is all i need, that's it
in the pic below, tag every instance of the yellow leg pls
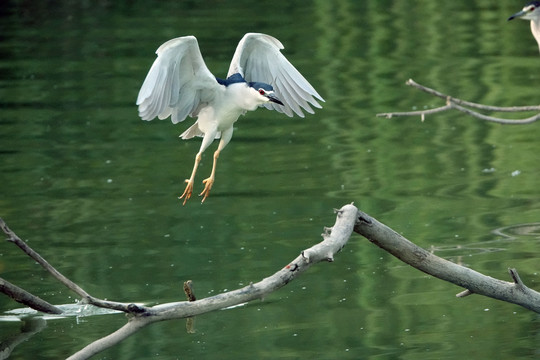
(189, 187)
(210, 181)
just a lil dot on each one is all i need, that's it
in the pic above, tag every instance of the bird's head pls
(531, 11)
(264, 92)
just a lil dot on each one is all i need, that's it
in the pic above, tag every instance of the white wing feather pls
(258, 58)
(178, 82)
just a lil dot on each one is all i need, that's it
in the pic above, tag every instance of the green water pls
(94, 189)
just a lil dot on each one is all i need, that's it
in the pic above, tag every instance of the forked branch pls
(466, 107)
(140, 316)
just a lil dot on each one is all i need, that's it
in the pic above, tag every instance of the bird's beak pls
(517, 15)
(272, 98)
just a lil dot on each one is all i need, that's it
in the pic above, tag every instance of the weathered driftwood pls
(85, 297)
(465, 107)
(474, 282)
(24, 297)
(139, 316)
(349, 218)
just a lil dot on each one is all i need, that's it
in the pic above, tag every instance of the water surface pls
(94, 189)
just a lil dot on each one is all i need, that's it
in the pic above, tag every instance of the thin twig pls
(434, 92)
(416, 113)
(461, 105)
(12, 237)
(190, 294)
(86, 298)
(496, 119)
(464, 293)
(515, 276)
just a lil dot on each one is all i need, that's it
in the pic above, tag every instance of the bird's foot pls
(207, 187)
(188, 191)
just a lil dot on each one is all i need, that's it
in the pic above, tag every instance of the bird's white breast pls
(226, 108)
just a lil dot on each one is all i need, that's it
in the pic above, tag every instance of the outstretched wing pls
(258, 58)
(178, 82)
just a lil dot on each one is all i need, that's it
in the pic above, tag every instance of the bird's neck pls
(240, 94)
(535, 29)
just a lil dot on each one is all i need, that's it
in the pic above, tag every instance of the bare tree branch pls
(349, 218)
(475, 282)
(334, 239)
(12, 237)
(132, 326)
(86, 298)
(458, 101)
(24, 297)
(463, 106)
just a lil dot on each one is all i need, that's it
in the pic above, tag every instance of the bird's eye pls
(261, 91)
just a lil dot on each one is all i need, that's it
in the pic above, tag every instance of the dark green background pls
(94, 189)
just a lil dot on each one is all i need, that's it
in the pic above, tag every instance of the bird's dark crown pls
(237, 78)
(260, 85)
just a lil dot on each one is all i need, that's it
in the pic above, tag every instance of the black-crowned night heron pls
(179, 84)
(531, 12)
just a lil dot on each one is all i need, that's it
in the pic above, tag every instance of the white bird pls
(179, 84)
(531, 12)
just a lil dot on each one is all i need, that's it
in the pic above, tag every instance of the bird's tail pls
(193, 131)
